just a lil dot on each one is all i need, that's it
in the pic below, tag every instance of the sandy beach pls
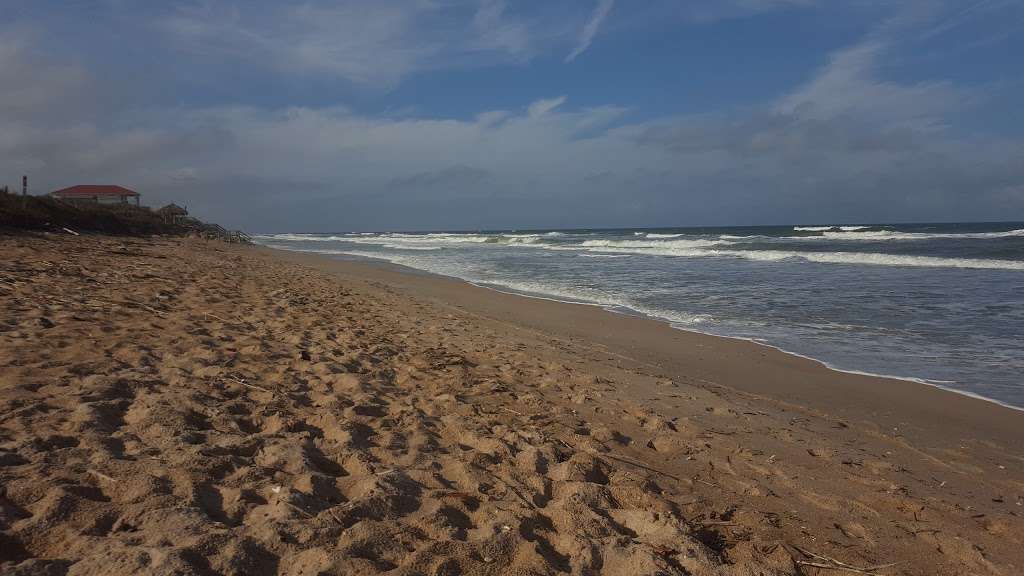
(181, 406)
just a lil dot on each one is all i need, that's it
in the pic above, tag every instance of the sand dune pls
(182, 407)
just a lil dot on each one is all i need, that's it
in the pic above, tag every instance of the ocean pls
(938, 303)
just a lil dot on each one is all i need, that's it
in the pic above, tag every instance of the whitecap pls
(894, 235)
(643, 244)
(853, 258)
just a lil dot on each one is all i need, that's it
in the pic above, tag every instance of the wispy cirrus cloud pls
(590, 29)
(494, 30)
(375, 43)
(542, 107)
(381, 42)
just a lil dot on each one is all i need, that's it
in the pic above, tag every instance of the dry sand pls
(184, 407)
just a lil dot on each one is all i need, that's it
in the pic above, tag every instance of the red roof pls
(95, 190)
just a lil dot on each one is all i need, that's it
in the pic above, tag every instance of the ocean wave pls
(410, 247)
(894, 235)
(852, 258)
(826, 228)
(686, 248)
(594, 297)
(876, 259)
(432, 241)
(439, 237)
(865, 233)
(536, 289)
(656, 235)
(643, 244)
(435, 240)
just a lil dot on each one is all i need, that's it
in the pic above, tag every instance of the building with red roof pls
(99, 194)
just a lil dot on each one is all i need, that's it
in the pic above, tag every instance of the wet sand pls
(927, 412)
(181, 406)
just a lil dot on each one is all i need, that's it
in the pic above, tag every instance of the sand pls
(176, 406)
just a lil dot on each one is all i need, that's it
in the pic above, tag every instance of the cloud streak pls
(590, 29)
(542, 107)
(372, 43)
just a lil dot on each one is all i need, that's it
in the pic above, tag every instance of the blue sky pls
(467, 114)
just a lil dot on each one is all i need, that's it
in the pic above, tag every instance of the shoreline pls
(931, 411)
(629, 312)
(676, 326)
(178, 405)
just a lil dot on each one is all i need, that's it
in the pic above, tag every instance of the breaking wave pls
(863, 233)
(893, 235)
(826, 228)
(673, 245)
(856, 258)
(876, 259)
(302, 237)
(643, 245)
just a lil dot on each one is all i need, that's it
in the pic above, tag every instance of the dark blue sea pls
(939, 303)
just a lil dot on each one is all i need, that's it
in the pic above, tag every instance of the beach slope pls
(179, 406)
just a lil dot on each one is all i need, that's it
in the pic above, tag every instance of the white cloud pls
(849, 85)
(305, 168)
(591, 28)
(542, 107)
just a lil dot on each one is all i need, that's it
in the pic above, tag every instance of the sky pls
(373, 115)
